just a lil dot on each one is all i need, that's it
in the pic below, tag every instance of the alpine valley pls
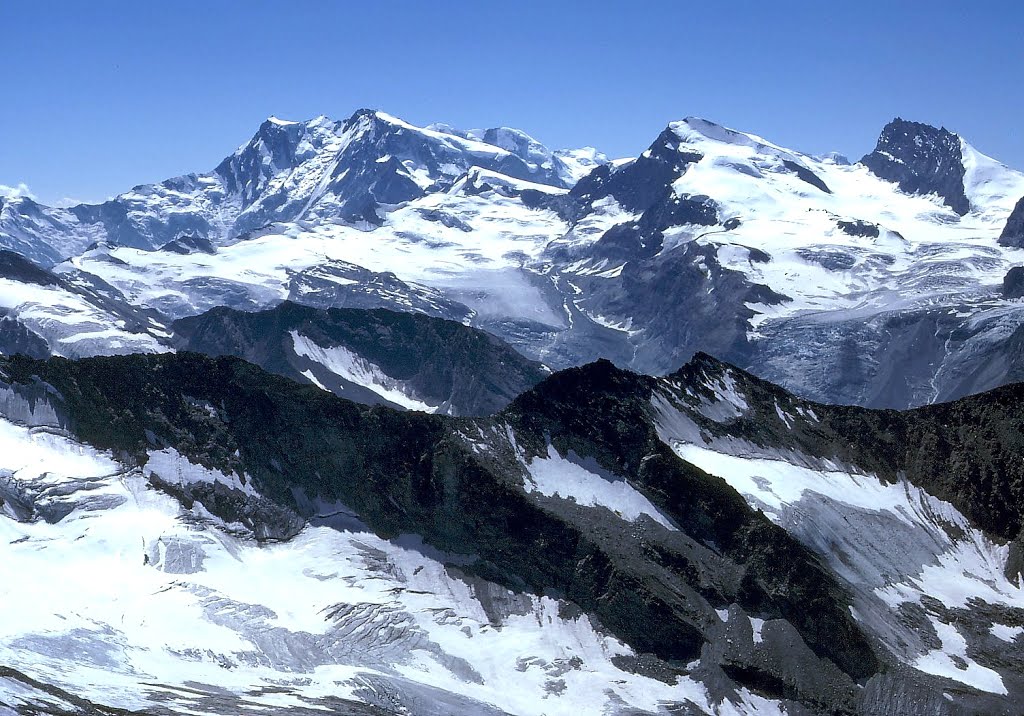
(378, 420)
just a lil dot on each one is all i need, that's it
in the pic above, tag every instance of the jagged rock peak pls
(921, 159)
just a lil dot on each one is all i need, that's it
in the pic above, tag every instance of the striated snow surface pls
(931, 586)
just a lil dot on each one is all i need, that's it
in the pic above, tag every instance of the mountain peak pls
(898, 126)
(362, 112)
(377, 118)
(702, 125)
(272, 119)
(697, 131)
(921, 159)
(275, 125)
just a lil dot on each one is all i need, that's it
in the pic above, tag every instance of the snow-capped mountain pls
(289, 171)
(699, 543)
(193, 533)
(877, 283)
(829, 271)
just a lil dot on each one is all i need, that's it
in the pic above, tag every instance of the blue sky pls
(104, 95)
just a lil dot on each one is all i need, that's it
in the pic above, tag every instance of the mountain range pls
(377, 419)
(223, 540)
(879, 283)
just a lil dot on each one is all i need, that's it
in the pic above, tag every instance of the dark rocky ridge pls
(16, 267)
(640, 184)
(654, 588)
(806, 175)
(644, 238)
(858, 227)
(446, 363)
(624, 441)
(921, 160)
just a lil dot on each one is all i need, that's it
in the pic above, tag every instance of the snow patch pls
(756, 626)
(1006, 633)
(353, 368)
(951, 661)
(174, 468)
(555, 476)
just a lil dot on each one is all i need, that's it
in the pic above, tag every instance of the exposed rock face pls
(15, 338)
(921, 160)
(1013, 232)
(696, 317)
(643, 239)
(640, 184)
(16, 267)
(806, 175)
(857, 227)
(187, 244)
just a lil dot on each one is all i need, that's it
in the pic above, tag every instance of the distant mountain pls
(375, 357)
(699, 543)
(878, 283)
(316, 170)
(832, 279)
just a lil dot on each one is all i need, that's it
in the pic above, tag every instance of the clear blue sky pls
(99, 96)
